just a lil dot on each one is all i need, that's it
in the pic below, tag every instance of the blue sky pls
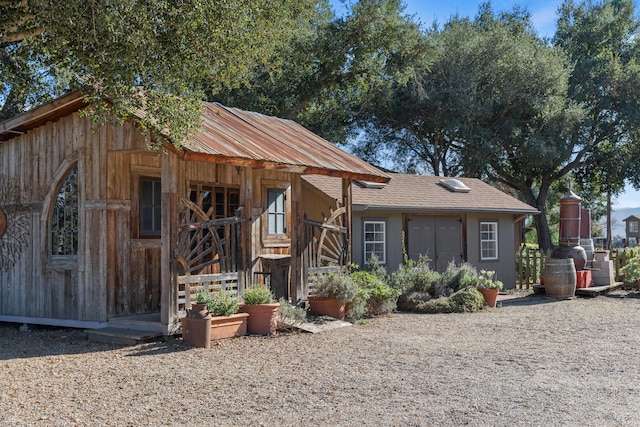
(543, 13)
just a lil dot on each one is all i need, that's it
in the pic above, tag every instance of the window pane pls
(488, 240)
(64, 217)
(151, 206)
(374, 238)
(276, 210)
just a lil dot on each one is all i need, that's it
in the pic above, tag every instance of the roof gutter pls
(523, 212)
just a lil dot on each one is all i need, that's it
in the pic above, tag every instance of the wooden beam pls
(296, 284)
(48, 112)
(269, 165)
(169, 273)
(347, 199)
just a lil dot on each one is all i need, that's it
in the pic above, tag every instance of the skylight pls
(454, 185)
(370, 184)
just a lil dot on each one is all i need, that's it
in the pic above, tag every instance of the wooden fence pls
(530, 264)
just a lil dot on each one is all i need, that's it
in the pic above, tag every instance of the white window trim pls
(633, 227)
(495, 240)
(382, 260)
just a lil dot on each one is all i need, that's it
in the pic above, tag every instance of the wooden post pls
(169, 273)
(296, 285)
(246, 201)
(348, 223)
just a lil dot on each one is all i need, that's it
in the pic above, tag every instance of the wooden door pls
(438, 237)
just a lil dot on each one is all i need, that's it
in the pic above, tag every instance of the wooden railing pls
(530, 264)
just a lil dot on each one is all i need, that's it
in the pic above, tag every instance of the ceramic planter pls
(329, 306)
(223, 327)
(490, 295)
(263, 318)
(196, 332)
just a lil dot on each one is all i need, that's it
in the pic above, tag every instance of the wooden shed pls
(96, 227)
(446, 219)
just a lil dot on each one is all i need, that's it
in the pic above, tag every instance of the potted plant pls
(226, 322)
(332, 293)
(631, 272)
(488, 287)
(196, 326)
(262, 308)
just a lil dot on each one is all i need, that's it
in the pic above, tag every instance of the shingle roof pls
(420, 192)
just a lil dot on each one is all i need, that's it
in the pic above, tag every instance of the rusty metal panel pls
(234, 133)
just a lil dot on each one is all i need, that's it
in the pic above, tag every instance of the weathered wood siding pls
(117, 272)
(37, 285)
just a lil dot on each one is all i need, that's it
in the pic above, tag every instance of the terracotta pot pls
(490, 295)
(223, 327)
(263, 318)
(196, 332)
(329, 306)
(198, 311)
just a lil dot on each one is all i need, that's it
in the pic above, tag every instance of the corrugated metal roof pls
(271, 142)
(231, 135)
(413, 193)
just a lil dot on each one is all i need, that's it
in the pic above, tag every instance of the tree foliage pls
(328, 75)
(140, 55)
(500, 103)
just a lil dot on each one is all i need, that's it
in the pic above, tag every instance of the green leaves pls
(148, 58)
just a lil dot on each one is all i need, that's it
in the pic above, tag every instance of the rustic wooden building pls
(446, 219)
(96, 227)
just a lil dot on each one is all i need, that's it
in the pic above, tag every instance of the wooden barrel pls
(560, 278)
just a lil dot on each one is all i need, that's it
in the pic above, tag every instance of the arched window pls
(64, 217)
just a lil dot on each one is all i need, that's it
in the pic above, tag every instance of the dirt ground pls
(532, 361)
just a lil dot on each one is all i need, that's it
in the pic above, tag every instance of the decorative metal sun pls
(15, 229)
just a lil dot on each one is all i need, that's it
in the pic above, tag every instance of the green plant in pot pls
(222, 304)
(226, 321)
(488, 287)
(332, 293)
(262, 308)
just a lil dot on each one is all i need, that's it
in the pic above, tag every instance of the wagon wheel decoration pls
(198, 244)
(332, 246)
(15, 229)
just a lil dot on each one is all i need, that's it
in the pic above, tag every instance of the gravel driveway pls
(534, 361)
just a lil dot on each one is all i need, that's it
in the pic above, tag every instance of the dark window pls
(150, 207)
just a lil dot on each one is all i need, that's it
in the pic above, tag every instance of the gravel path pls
(532, 362)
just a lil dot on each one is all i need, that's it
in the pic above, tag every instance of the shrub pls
(466, 300)
(414, 276)
(373, 266)
(438, 305)
(258, 295)
(222, 304)
(289, 315)
(336, 284)
(460, 277)
(374, 296)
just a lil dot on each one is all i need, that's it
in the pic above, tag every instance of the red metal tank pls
(585, 223)
(569, 219)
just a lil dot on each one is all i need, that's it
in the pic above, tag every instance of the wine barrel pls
(560, 278)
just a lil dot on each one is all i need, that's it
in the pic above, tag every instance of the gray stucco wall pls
(393, 227)
(504, 266)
